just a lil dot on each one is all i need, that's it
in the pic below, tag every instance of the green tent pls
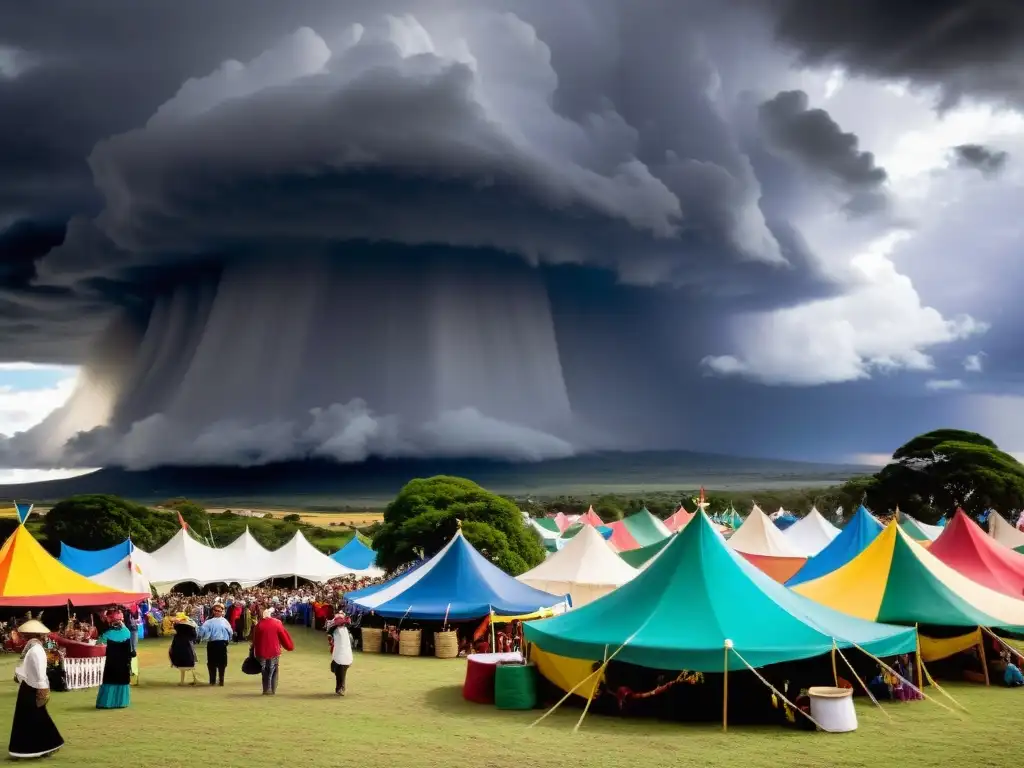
(680, 611)
(731, 518)
(637, 557)
(548, 523)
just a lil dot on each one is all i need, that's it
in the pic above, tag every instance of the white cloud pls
(870, 459)
(21, 409)
(943, 385)
(974, 363)
(18, 476)
(879, 325)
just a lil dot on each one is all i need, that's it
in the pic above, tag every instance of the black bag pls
(251, 665)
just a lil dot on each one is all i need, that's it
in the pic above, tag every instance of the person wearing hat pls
(183, 647)
(217, 632)
(115, 691)
(33, 733)
(341, 650)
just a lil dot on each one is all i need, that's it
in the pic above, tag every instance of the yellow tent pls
(31, 577)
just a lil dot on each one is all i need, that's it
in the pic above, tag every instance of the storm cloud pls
(275, 232)
(988, 161)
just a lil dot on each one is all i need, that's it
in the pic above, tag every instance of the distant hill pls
(312, 484)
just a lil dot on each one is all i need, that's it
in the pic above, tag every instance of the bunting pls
(24, 510)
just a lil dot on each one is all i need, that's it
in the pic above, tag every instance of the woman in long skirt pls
(33, 733)
(183, 647)
(341, 650)
(114, 692)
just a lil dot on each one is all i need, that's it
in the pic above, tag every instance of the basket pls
(446, 644)
(372, 639)
(409, 642)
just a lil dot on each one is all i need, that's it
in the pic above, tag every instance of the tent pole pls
(920, 664)
(725, 687)
(835, 672)
(984, 661)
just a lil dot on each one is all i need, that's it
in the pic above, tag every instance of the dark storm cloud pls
(981, 158)
(962, 46)
(814, 139)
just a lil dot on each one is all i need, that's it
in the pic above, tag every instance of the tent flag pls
(181, 520)
(23, 510)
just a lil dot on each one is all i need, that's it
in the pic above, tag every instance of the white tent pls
(253, 560)
(585, 568)
(300, 558)
(760, 536)
(184, 559)
(1004, 532)
(811, 534)
(131, 574)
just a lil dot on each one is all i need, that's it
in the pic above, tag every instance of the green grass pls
(409, 712)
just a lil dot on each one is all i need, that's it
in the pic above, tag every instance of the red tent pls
(678, 519)
(966, 548)
(591, 518)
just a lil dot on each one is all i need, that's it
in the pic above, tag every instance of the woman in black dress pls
(33, 733)
(183, 647)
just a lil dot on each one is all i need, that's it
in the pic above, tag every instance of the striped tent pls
(638, 530)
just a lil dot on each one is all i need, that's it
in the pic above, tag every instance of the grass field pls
(323, 519)
(408, 712)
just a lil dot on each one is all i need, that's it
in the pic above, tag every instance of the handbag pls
(251, 665)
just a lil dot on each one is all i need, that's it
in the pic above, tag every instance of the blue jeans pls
(269, 668)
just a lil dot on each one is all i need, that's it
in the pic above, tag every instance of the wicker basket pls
(409, 642)
(372, 639)
(446, 644)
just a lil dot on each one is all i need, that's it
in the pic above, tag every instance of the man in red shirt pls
(268, 638)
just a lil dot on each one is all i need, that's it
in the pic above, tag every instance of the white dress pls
(342, 653)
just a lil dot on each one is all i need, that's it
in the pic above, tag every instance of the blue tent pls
(782, 522)
(850, 542)
(89, 562)
(458, 582)
(355, 555)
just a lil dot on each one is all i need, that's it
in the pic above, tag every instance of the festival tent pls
(759, 536)
(850, 542)
(638, 530)
(89, 562)
(31, 577)
(547, 524)
(561, 521)
(1004, 532)
(915, 529)
(590, 518)
(605, 531)
(357, 555)
(301, 559)
(585, 569)
(964, 547)
(783, 519)
(678, 519)
(811, 534)
(637, 558)
(732, 518)
(896, 580)
(699, 606)
(548, 536)
(130, 574)
(457, 583)
(183, 559)
(251, 561)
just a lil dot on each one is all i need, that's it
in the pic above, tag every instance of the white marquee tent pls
(300, 558)
(585, 568)
(760, 536)
(811, 534)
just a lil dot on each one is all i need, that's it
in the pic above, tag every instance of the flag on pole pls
(181, 520)
(24, 510)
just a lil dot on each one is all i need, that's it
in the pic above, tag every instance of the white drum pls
(833, 708)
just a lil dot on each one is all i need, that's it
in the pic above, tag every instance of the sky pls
(243, 232)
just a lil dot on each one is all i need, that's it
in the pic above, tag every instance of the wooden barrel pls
(409, 642)
(446, 644)
(372, 639)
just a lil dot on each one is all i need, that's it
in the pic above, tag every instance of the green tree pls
(96, 521)
(938, 471)
(425, 515)
(194, 514)
(292, 518)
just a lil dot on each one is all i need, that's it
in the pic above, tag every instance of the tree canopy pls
(426, 514)
(934, 473)
(97, 521)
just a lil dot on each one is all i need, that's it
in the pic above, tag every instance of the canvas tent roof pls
(678, 519)
(31, 577)
(300, 558)
(964, 547)
(759, 536)
(358, 556)
(89, 562)
(1004, 532)
(128, 575)
(897, 580)
(917, 530)
(811, 534)
(851, 541)
(585, 569)
(590, 518)
(183, 559)
(679, 611)
(637, 530)
(637, 557)
(733, 519)
(457, 582)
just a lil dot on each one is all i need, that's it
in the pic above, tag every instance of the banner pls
(24, 510)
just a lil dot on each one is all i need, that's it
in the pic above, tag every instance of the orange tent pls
(31, 577)
(782, 569)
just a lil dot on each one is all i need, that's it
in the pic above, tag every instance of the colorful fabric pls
(725, 598)
(895, 580)
(89, 562)
(781, 569)
(356, 555)
(851, 541)
(29, 575)
(965, 547)
(637, 558)
(568, 674)
(935, 649)
(678, 520)
(638, 530)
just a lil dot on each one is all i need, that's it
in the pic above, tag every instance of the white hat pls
(33, 627)
(268, 613)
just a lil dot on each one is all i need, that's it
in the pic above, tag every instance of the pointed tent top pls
(584, 563)
(896, 580)
(457, 582)
(726, 599)
(23, 510)
(1004, 532)
(678, 519)
(637, 530)
(851, 541)
(964, 547)
(759, 536)
(811, 534)
(357, 556)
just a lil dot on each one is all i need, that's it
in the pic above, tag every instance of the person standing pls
(268, 638)
(183, 647)
(218, 633)
(33, 733)
(132, 617)
(341, 650)
(115, 691)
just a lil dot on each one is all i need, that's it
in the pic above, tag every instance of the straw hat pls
(33, 627)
